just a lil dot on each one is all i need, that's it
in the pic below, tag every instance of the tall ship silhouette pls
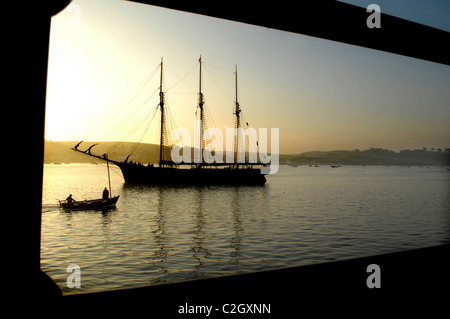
(198, 172)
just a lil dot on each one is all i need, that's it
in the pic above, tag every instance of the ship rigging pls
(201, 172)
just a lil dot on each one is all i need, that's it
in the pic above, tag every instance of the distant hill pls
(60, 152)
(373, 156)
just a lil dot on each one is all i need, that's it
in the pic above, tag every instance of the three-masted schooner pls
(199, 173)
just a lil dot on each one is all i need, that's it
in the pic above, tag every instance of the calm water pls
(302, 215)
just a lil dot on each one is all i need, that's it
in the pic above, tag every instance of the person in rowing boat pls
(105, 193)
(70, 200)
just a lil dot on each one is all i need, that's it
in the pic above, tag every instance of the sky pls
(322, 95)
(433, 13)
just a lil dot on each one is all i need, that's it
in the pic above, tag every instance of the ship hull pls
(149, 175)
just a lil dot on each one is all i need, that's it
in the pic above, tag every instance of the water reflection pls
(106, 214)
(235, 242)
(446, 207)
(199, 252)
(160, 251)
(192, 220)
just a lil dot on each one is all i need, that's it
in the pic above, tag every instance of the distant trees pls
(375, 156)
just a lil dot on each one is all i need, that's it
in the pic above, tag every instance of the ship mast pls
(238, 123)
(161, 107)
(200, 105)
(109, 177)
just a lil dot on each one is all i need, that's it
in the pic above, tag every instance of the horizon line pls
(427, 149)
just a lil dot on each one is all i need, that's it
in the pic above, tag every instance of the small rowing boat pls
(105, 202)
(89, 203)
